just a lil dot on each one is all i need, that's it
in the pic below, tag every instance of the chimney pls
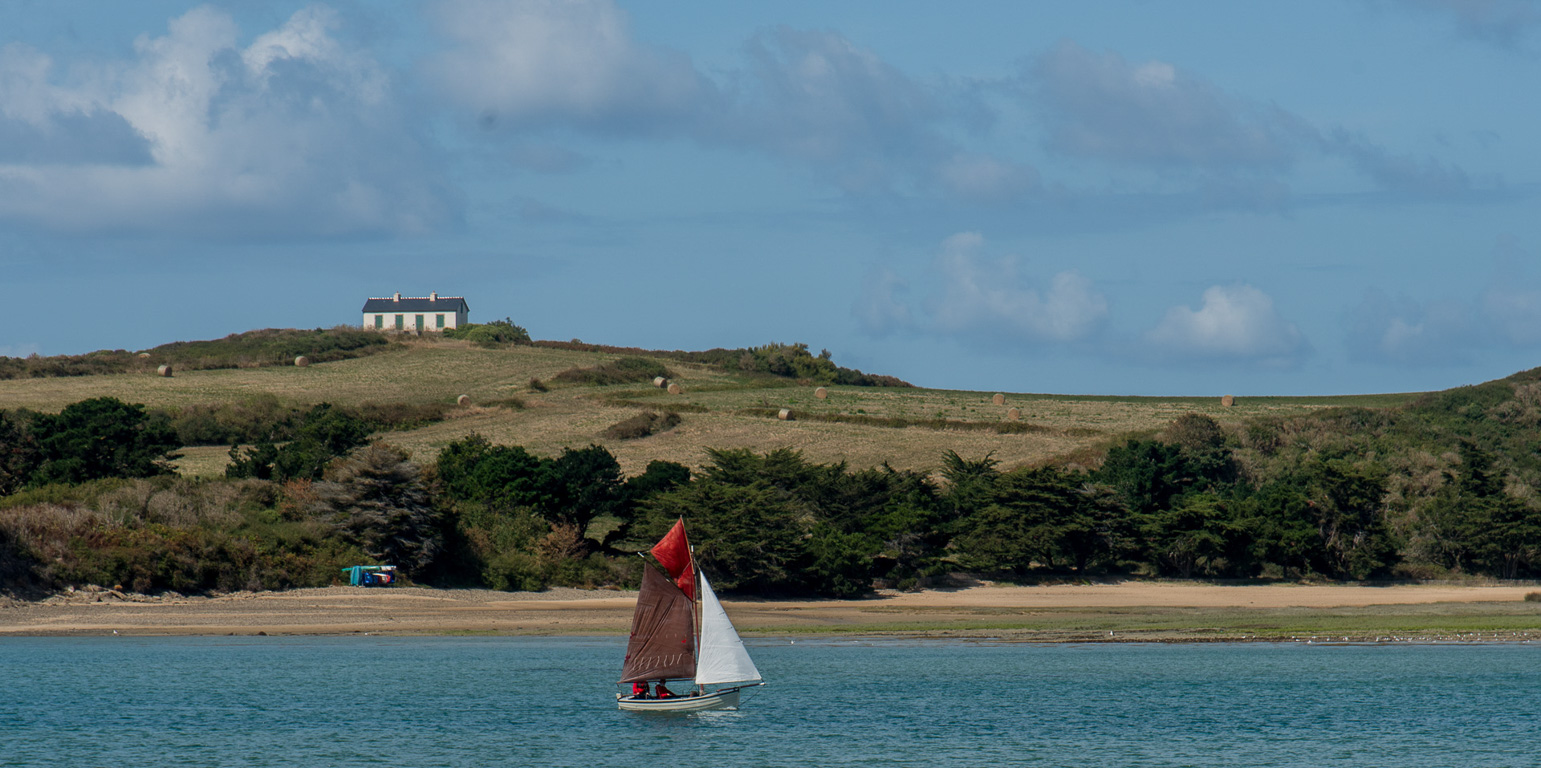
(397, 297)
(433, 296)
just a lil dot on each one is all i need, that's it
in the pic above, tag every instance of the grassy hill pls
(909, 428)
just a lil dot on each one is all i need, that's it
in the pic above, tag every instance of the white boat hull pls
(723, 699)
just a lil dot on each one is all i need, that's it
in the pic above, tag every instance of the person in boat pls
(639, 690)
(663, 693)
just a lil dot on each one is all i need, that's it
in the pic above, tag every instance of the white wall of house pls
(409, 320)
(387, 321)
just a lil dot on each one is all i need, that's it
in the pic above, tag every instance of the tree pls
(324, 434)
(1192, 536)
(1147, 474)
(101, 437)
(749, 538)
(582, 484)
(473, 469)
(1283, 528)
(18, 452)
(1347, 502)
(377, 499)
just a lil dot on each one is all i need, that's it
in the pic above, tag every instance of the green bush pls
(642, 425)
(495, 333)
(626, 370)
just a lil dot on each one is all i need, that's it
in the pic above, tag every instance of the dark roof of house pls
(419, 304)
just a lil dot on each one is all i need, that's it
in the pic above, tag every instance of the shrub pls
(623, 371)
(495, 333)
(642, 425)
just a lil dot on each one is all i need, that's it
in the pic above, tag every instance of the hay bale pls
(821, 393)
(785, 415)
(660, 381)
(675, 389)
(1014, 414)
(164, 370)
(463, 400)
(143, 355)
(998, 399)
(301, 362)
(1227, 401)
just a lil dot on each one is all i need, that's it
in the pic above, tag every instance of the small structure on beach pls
(370, 575)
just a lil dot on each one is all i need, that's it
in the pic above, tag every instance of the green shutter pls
(400, 322)
(439, 319)
(379, 321)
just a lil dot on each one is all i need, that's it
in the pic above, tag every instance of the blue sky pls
(1103, 198)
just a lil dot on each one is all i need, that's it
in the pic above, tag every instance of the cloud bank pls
(1236, 323)
(293, 134)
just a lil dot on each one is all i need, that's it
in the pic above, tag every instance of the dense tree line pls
(1446, 486)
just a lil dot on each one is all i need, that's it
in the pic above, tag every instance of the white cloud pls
(981, 177)
(1156, 115)
(562, 62)
(1502, 22)
(1446, 330)
(1236, 323)
(1099, 105)
(984, 297)
(810, 97)
(293, 134)
(1513, 311)
(881, 309)
(1401, 331)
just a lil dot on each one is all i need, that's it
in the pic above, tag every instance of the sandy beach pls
(1134, 611)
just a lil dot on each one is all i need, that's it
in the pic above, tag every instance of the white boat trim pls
(725, 698)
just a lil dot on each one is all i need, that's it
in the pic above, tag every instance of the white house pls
(435, 313)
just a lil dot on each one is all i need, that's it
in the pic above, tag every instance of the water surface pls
(538, 701)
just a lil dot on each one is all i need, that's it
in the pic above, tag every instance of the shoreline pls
(1134, 612)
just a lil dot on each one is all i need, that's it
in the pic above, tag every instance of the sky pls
(1140, 198)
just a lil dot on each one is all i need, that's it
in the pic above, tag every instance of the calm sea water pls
(521, 701)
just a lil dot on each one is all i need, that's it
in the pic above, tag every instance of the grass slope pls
(865, 426)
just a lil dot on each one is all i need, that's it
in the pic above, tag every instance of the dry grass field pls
(719, 410)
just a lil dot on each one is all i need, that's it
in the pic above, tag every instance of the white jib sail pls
(721, 657)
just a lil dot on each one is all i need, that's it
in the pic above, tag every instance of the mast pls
(695, 605)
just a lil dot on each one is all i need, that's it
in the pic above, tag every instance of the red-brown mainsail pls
(663, 644)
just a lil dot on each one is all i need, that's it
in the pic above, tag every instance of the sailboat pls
(676, 637)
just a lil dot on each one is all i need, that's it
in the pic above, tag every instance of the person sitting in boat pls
(662, 692)
(639, 690)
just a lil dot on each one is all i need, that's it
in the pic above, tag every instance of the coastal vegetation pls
(1379, 487)
(269, 347)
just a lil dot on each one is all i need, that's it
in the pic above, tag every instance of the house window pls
(439, 321)
(379, 321)
(417, 322)
(399, 322)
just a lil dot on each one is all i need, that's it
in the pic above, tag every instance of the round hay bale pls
(1014, 414)
(164, 370)
(1227, 401)
(660, 382)
(301, 361)
(144, 355)
(821, 393)
(675, 389)
(999, 399)
(463, 400)
(785, 415)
